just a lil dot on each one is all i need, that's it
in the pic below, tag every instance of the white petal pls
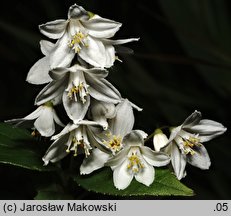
(178, 161)
(121, 41)
(102, 90)
(208, 129)
(95, 72)
(101, 111)
(109, 55)
(76, 110)
(23, 121)
(134, 138)
(200, 159)
(56, 119)
(193, 119)
(141, 133)
(50, 91)
(92, 133)
(58, 73)
(45, 122)
(146, 175)
(57, 100)
(88, 123)
(123, 122)
(54, 29)
(174, 133)
(121, 177)
(34, 114)
(118, 159)
(100, 27)
(94, 53)
(154, 158)
(159, 140)
(69, 127)
(38, 73)
(136, 107)
(62, 54)
(56, 151)
(95, 161)
(77, 12)
(46, 47)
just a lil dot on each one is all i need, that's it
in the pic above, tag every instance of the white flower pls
(83, 35)
(185, 143)
(159, 139)
(110, 141)
(38, 73)
(101, 111)
(119, 127)
(43, 119)
(75, 85)
(135, 160)
(73, 138)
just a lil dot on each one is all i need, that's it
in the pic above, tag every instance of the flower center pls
(135, 164)
(76, 144)
(77, 40)
(113, 142)
(189, 144)
(78, 92)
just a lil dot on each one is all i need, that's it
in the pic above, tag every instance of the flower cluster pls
(185, 143)
(101, 121)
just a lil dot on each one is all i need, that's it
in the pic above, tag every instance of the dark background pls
(181, 63)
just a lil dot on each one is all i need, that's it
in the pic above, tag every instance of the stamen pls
(189, 144)
(79, 92)
(135, 164)
(78, 143)
(114, 142)
(77, 40)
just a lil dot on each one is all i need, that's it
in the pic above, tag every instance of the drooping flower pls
(73, 138)
(119, 127)
(84, 35)
(101, 112)
(185, 143)
(38, 73)
(135, 161)
(75, 85)
(118, 138)
(109, 141)
(43, 119)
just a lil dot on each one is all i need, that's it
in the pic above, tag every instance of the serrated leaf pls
(18, 148)
(165, 184)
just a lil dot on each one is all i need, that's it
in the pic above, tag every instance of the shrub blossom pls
(99, 121)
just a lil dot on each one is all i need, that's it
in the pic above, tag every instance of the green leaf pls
(165, 184)
(53, 192)
(19, 148)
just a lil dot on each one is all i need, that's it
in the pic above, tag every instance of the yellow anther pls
(113, 142)
(77, 40)
(78, 92)
(190, 143)
(135, 163)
